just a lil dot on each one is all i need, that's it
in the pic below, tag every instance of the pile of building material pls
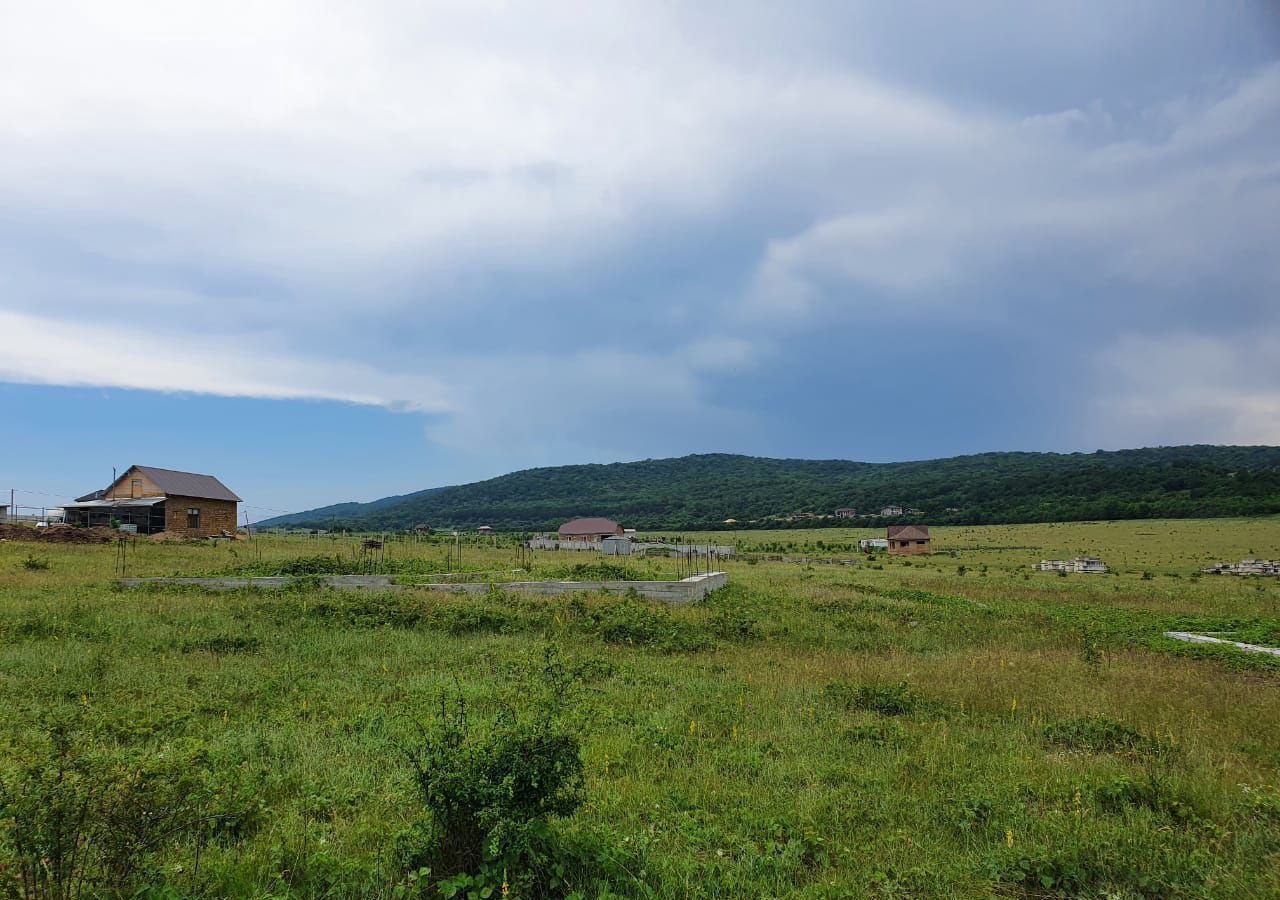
(1246, 567)
(58, 534)
(1088, 565)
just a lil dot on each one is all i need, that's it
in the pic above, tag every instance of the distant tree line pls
(700, 492)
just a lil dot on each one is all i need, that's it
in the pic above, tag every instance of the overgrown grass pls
(808, 731)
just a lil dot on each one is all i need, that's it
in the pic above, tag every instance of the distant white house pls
(891, 511)
(873, 544)
(1247, 567)
(1085, 565)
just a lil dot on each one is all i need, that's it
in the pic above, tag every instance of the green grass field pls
(947, 726)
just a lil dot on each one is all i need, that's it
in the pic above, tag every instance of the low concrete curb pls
(1193, 638)
(688, 590)
(345, 582)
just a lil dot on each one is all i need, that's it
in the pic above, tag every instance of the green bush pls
(1102, 734)
(887, 699)
(637, 623)
(79, 821)
(223, 644)
(734, 625)
(470, 618)
(492, 793)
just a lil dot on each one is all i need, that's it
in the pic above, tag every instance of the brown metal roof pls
(908, 533)
(591, 525)
(188, 484)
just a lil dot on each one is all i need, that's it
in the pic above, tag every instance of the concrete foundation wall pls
(688, 590)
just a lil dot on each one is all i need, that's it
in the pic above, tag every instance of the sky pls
(335, 251)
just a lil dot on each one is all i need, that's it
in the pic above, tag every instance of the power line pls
(40, 493)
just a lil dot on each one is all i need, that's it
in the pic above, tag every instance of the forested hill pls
(702, 491)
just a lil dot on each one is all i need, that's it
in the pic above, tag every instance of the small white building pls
(891, 511)
(873, 544)
(1247, 567)
(1084, 565)
(616, 546)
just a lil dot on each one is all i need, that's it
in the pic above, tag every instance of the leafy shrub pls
(882, 731)
(34, 564)
(1090, 652)
(734, 625)
(637, 623)
(594, 571)
(469, 618)
(1154, 792)
(492, 794)
(1102, 734)
(887, 699)
(78, 821)
(336, 564)
(223, 644)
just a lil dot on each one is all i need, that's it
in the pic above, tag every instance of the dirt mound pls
(169, 536)
(58, 534)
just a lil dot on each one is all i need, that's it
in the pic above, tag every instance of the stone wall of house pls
(216, 516)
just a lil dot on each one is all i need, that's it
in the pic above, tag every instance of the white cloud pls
(45, 351)
(1185, 388)
(298, 181)
(609, 403)
(1148, 213)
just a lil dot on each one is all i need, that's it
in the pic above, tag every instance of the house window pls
(193, 517)
(135, 489)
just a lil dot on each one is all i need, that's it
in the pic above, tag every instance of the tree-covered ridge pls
(702, 491)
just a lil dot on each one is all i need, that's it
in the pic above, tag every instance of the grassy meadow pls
(954, 725)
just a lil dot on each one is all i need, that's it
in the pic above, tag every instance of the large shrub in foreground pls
(492, 792)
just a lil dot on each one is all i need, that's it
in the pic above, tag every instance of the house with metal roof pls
(907, 540)
(592, 529)
(152, 500)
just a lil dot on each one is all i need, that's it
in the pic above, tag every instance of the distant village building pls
(730, 522)
(891, 510)
(866, 544)
(1086, 565)
(154, 500)
(1247, 567)
(912, 511)
(615, 545)
(593, 529)
(422, 529)
(846, 512)
(484, 529)
(908, 540)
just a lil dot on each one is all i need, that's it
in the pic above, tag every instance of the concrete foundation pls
(1193, 638)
